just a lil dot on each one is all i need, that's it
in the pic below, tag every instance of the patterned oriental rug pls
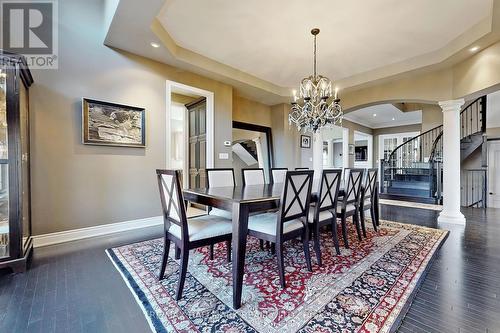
(368, 288)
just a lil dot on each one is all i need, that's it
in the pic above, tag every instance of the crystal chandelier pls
(311, 110)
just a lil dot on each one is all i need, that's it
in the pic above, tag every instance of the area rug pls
(366, 289)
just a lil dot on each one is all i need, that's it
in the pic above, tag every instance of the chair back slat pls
(278, 175)
(353, 186)
(370, 184)
(296, 196)
(253, 176)
(172, 200)
(329, 190)
(220, 177)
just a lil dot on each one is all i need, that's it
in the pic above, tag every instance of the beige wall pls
(75, 185)
(432, 116)
(248, 111)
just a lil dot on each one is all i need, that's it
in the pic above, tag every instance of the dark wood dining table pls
(241, 201)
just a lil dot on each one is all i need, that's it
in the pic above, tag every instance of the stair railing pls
(473, 118)
(472, 121)
(409, 157)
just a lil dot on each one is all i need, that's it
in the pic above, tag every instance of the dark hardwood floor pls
(73, 287)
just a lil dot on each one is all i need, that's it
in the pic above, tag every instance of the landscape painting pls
(112, 124)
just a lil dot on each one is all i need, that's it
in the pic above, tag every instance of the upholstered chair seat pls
(349, 208)
(323, 216)
(203, 227)
(266, 224)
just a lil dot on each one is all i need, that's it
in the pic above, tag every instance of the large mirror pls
(252, 147)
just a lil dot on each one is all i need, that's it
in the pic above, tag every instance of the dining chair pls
(219, 177)
(368, 199)
(253, 176)
(349, 205)
(290, 221)
(298, 169)
(278, 175)
(186, 234)
(323, 212)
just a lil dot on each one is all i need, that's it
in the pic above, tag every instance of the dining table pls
(241, 201)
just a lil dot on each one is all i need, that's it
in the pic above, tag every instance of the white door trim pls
(399, 136)
(179, 87)
(493, 177)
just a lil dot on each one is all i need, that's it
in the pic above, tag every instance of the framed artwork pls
(111, 124)
(305, 141)
(351, 149)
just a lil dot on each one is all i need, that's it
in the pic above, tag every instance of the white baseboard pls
(75, 234)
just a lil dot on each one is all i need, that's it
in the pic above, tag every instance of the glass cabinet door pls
(4, 168)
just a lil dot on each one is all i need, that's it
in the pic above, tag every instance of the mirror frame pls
(262, 129)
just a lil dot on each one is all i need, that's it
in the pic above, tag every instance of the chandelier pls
(312, 110)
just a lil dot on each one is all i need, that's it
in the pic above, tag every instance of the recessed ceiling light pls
(374, 114)
(474, 49)
(392, 118)
(155, 45)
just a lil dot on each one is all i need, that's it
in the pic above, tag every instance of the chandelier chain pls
(315, 107)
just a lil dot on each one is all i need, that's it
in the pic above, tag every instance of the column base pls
(453, 218)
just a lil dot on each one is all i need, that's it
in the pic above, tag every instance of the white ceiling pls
(384, 115)
(271, 39)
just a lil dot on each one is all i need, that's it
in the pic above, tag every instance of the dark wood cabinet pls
(16, 243)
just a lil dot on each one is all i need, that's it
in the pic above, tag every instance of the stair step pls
(415, 185)
(410, 198)
(408, 191)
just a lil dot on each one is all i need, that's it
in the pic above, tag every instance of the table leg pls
(240, 230)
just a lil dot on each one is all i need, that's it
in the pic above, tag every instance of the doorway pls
(189, 132)
(363, 150)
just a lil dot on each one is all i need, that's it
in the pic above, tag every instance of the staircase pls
(413, 171)
(246, 150)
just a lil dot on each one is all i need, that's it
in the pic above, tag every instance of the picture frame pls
(112, 124)
(351, 149)
(305, 141)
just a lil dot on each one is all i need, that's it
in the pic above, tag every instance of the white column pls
(317, 157)
(451, 162)
(331, 157)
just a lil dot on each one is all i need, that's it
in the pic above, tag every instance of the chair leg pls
(317, 246)
(374, 220)
(355, 219)
(177, 252)
(182, 272)
(273, 248)
(305, 243)
(362, 217)
(228, 253)
(377, 214)
(281, 263)
(261, 244)
(344, 231)
(212, 252)
(334, 234)
(166, 249)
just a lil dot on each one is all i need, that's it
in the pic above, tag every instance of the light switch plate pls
(223, 156)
